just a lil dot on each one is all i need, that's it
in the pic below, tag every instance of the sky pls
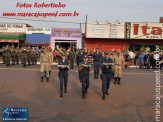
(96, 10)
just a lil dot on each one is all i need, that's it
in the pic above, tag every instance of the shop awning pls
(13, 37)
(8, 40)
(37, 39)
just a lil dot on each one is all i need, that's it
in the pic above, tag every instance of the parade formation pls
(110, 64)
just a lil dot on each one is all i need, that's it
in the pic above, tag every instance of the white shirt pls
(156, 56)
(131, 54)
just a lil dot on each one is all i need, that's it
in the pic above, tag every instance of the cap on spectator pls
(118, 51)
(113, 50)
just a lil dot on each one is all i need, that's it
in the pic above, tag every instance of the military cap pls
(97, 47)
(85, 56)
(106, 53)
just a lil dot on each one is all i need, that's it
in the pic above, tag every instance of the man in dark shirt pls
(63, 67)
(96, 58)
(106, 66)
(85, 68)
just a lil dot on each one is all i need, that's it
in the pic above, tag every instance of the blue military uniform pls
(85, 77)
(96, 58)
(106, 75)
(63, 75)
(80, 57)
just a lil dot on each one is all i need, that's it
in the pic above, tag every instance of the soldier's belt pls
(46, 61)
(118, 65)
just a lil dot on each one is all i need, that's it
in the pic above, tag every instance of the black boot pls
(103, 97)
(96, 76)
(119, 80)
(65, 90)
(45, 74)
(83, 95)
(115, 80)
(49, 73)
(41, 78)
(107, 93)
(47, 79)
(86, 91)
(61, 93)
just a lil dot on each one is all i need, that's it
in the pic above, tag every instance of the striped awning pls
(9, 40)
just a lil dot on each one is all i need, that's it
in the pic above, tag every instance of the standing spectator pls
(54, 55)
(131, 59)
(124, 52)
(126, 61)
(152, 60)
(156, 57)
(161, 61)
(137, 58)
(38, 52)
(147, 60)
(141, 60)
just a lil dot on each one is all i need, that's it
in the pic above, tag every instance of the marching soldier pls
(29, 56)
(118, 65)
(72, 58)
(24, 56)
(96, 58)
(35, 57)
(106, 65)
(112, 55)
(32, 57)
(80, 56)
(3, 54)
(17, 55)
(85, 68)
(21, 58)
(13, 56)
(63, 67)
(44, 62)
(51, 59)
(7, 56)
(79, 59)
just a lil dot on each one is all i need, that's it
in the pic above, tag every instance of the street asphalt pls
(133, 101)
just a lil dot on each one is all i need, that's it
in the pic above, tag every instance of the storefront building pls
(144, 36)
(124, 36)
(105, 35)
(66, 37)
(12, 33)
(37, 36)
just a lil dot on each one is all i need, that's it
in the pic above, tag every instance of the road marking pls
(132, 73)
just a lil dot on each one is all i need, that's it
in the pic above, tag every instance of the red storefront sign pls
(7, 40)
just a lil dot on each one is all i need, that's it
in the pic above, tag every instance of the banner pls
(144, 31)
(12, 28)
(66, 32)
(32, 30)
(105, 30)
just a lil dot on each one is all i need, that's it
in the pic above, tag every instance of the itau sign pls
(144, 31)
(12, 28)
